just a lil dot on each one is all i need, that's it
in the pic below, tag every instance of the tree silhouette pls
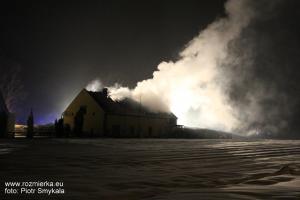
(56, 127)
(12, 87)
(59, 127)
(3, 117)
(30, 125)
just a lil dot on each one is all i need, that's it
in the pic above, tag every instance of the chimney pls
(105, 92)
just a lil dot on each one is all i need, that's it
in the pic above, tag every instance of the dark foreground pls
(154, 169)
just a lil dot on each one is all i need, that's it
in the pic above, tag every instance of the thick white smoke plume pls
(94, 85)
(193, 87)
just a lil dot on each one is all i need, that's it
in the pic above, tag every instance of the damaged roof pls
(126, 106)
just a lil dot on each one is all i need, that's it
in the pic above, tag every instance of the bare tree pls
(11, 86)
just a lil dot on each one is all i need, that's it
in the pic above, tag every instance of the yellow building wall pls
(138, 126)
(93, 119)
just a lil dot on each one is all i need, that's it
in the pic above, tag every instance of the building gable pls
(93, 113)
(84, 99)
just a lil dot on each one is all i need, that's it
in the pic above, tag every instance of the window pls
(83, 109)
(150, 131)
(116, 130)
(132, 130)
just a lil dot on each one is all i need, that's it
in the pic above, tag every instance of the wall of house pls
(136, 126)
(93, 119)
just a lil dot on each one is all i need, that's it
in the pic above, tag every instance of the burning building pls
(7, 120)
(95, 113)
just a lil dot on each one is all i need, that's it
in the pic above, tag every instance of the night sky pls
(61, 46)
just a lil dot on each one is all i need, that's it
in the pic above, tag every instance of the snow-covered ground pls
(155, 168)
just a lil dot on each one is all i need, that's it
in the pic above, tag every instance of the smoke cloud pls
(263, 65)
(94, 85)
(222, 78)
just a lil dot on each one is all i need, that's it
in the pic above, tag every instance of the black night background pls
(70, 44)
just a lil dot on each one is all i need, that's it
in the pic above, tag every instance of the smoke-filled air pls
(199, 87)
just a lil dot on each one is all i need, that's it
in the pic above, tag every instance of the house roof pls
(3, 108)
(126, 106)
